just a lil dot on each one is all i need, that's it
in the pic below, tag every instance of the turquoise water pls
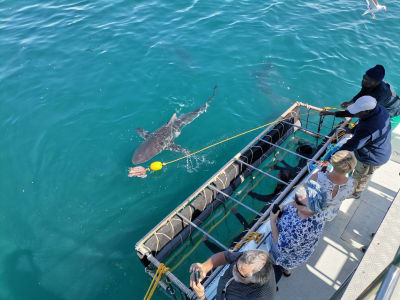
(77, 78)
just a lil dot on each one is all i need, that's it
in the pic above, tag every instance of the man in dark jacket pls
(370, 141)
(373, 85)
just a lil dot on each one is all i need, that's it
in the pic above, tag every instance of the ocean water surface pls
(77, 78)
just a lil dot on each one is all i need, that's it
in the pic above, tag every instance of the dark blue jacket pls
(371, 139)
(386, 97)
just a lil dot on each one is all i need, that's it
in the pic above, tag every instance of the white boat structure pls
(221, 215)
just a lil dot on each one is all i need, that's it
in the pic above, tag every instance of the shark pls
(163, 138)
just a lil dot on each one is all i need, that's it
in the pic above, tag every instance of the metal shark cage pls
(209, 202)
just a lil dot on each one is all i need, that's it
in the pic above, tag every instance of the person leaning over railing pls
(296, 232)
(371, 139)
(336, 184)
(250, 275)
(373, 85)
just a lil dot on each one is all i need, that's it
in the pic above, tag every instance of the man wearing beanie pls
(373, 85)
(371, 139)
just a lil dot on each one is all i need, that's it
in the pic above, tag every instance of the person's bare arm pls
(214, 261)
(274, 229)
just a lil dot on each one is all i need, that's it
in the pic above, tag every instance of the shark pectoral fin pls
(142, 133)
(177, 148)
(173, 118)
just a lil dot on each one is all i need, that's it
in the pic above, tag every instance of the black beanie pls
(377, 72)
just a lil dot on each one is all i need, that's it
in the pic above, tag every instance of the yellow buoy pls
(156, 166)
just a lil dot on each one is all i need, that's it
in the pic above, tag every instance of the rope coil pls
(253, 236)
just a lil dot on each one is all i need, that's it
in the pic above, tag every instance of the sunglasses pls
(296, 199)
(237, 270)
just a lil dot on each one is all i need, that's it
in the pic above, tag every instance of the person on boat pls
(250, 275)
(295, 234)
(371, 140)
(373, 85)
(335, 183)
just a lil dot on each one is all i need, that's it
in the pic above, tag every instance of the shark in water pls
(163, 137)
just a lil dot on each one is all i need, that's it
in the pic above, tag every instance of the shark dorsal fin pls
(172, 120)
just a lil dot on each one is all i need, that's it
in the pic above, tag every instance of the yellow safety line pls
(240, 134)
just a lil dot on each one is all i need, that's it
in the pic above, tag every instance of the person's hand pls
(325, 163)
(137, 172)
(197, 288)
(326, 113)
(195, 283)
(346, 103)
(274, 216)
(197, 267)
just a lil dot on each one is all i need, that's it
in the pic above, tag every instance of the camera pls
(196, 275)
(275, 209)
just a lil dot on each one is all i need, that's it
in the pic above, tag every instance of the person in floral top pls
(295, 234)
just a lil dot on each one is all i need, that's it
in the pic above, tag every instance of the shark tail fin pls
(213, 95)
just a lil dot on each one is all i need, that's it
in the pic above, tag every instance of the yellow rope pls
(236, 136)
(161, 270)
(220, 142)
(346, 123)
(333, 107)
(253, 236)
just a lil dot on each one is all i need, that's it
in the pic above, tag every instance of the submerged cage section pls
(169, 233)
(188, 218)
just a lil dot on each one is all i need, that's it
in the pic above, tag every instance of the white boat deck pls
(339, 253)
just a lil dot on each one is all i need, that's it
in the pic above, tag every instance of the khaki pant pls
(362, 173)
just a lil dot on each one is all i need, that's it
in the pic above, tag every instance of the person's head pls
(343, 162)
(373, 77)
(362, 107)
(310, 198)
(254, 266)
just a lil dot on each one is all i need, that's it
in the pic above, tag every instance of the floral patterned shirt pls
(297, 238)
